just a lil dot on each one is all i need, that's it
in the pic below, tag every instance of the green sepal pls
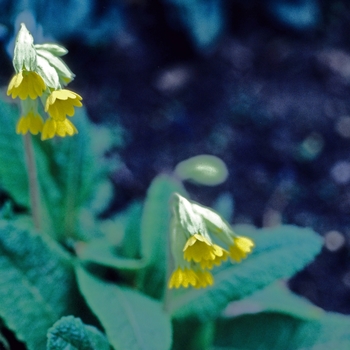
(64, 73)
(24, 53)
(55, 49)
(48, 73)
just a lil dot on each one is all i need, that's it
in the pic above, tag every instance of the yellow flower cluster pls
(193, 249)
(40, 75)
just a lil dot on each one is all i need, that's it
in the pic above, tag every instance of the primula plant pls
(165, 273)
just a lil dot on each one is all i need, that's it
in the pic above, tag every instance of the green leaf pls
(37, 284)
(13, 173)
(131, 320)
(275, 298)
(191, 334)
(155, 232)
(71, 333)
(100, 251)
(68, 173)
(279, 253)
(275, 331)
(131, 244)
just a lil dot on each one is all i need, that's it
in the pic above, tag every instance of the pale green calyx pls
(189, 220)
(55, 49)
(48, 73)
(215, 223)
(24, 52)
(64, 73)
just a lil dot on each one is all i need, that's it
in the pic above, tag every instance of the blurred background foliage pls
(263, 85)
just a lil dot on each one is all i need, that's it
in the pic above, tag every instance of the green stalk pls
(32, 180)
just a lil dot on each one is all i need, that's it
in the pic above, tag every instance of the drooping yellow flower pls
(241, 248)
(204, 279)
(200, 249)
(209, 264)
(30, 122)
(185, 277)
(59, 128)
(182, 278)
(61, 103)
(26, 83)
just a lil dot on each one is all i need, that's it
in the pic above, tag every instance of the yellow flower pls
(182, 277)
(199, 249)
(61, 103)
(59, 128)
(26, 83)
(209, 264)
(241, 248)
(187, 276)
(30, 122)
(204, 279)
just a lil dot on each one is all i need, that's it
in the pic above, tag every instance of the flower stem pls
(169, 268)
(32, 180)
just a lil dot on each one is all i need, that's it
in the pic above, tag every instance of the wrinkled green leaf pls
(100, 251)
(67, 171)
(67, 174)
(131, 320)
(13, 173)
(71, 333)
(279, 253)
(275, 298)
(155, 232)
(37, 284)
(274, 331)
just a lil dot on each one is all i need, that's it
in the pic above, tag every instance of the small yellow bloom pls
(204, 279)
(198, 249)
(61, 103)
(30, 122)
(241, 248)
(26, 83)
(59, 128)
(209, 264)
(187, 276)
(182, 277)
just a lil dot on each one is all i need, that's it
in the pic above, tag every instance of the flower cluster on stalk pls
(194, 231)
(41, 75)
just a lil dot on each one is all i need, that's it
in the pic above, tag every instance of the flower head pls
(241, 248)
(200, 249)
(194, 229)
(61, 103)
(59, 128)
(31, 122)
(26, 84)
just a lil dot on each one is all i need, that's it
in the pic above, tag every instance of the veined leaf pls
(67, 172)
(275, 331)
(155, 233)
(100, 251)
(131, 320)
(13, 173)
(279, 253)
(71, 333)
(275, 298)
(36, 286)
